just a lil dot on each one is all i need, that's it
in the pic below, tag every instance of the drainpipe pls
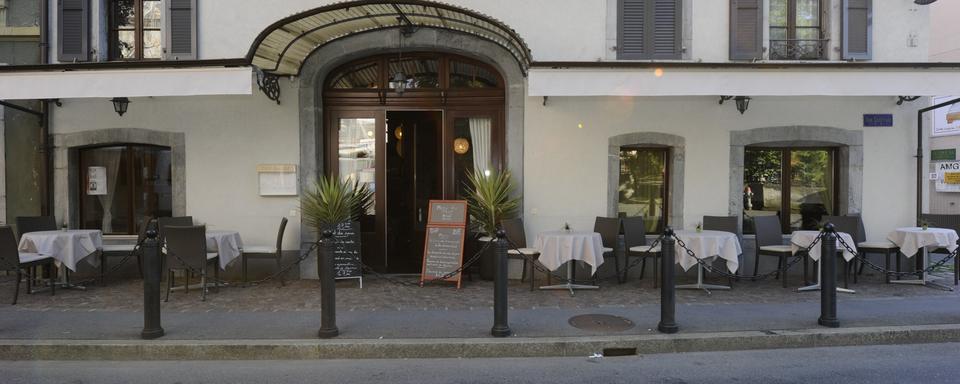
(46, 207)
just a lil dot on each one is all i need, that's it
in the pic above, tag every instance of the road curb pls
(120, 350)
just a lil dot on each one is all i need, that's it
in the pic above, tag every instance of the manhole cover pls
(596, 322)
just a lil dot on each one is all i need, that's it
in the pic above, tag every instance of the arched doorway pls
(411, 143)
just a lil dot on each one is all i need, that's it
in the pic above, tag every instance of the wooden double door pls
(409, 156)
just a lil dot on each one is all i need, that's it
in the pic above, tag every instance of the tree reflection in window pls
(642, 189)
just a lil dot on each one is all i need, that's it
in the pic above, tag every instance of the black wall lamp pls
(743, 102)
(120, 105)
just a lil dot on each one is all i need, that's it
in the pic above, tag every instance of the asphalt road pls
(929, 363)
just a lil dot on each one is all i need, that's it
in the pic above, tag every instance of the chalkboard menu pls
(346, 251)
(443, 248)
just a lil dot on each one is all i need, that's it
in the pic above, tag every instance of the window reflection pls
(120, 185)
(642, 188)
(357, 153)
(469, 75)
(420, 72)
(362, 75)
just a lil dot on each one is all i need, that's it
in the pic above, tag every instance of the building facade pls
(669, 109)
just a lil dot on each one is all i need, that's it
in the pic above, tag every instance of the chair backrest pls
(164, 222)
(283, 227)
(186, 245)
(723, 223)
(9, 255)
(767, 229)
(515, 232)
(26, 224)
(851, 225)
(942, 221)
(634, 231)
(609, 229)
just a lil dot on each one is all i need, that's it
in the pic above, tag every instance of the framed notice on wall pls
(946, 120)
(96, 181)
(948, 176)
(277, 179)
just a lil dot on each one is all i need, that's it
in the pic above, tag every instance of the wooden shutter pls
(857, 29)
(73, 30)
(632, 39)
(180, 30)
(746, 29)
(649, 29)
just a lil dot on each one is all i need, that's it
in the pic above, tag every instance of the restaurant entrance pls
(410, 145)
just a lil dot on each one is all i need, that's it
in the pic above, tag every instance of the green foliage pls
(489, 201)
(333, 201)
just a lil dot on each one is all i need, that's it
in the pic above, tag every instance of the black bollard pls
(328, 297)
(151, 287)
(828, 278)
(500, 326)
(668, 290)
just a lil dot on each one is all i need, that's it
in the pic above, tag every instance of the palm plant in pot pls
(333, 202)
(489, 201)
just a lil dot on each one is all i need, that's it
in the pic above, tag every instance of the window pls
(643, 185)
(135, 29)
(796, 184)
(121, 184)
(357, 152)
(649, 29)
(795, 32)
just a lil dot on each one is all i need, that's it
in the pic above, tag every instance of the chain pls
(137, 248)
(436, 280)
(798, 255)
(541, 268)
(281, 271)
(918, 273)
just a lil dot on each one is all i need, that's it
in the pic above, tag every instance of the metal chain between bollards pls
(931, 268)
(798, 256)
(436, 280)
(539, 267)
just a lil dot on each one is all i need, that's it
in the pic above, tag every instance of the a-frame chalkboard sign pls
(443, 247)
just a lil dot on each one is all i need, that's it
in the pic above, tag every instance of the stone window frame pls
(849, 144)
(677, 145)
(66, 154)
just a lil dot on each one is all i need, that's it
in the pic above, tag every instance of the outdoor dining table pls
(707, 244)
(559, 247)
(227, 244)
(801, 240)
(914, 239)
(67, 247)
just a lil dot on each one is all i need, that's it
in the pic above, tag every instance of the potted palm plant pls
(333, 203)
(488, 202)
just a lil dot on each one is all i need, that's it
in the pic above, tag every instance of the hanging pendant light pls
(399, 80)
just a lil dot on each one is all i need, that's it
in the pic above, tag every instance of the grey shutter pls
(180, 30)
(857, 29)
(631, 36)
(73, 30)
(666, 29)
(649, 29)
(746, 29)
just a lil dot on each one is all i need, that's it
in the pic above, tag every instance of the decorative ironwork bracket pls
(901, 99)
(269, 84)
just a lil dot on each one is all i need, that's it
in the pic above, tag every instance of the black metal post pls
(828, 278)
(328, 296)
(151, 287)
(500, 326)
(668, 291)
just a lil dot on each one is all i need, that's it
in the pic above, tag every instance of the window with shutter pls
(181, 34)
(746, 29)
(857, 29)
(73, 17)
(135, 29)
(795, 32)
(649, 29)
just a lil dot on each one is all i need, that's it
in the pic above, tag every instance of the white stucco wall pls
(555, 30)
(226, 137)
(566, 166)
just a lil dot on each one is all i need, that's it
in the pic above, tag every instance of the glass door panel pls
(811, 187)
(642, 187)
(763, 185)
(357, 153)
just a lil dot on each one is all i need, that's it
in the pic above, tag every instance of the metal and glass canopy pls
(283, 46)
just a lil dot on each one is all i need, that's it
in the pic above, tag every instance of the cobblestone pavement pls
(379, 294)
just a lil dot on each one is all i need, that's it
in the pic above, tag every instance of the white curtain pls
(109, 159)
(480, 131)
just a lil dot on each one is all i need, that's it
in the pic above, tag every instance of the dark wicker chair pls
(635, 242)
(850, 225)
(943, 221)
(12, 259)
(266, 252)
(726, 224)
(518, 248)
(187, 251)
(609, 230)
(27, 224)
(769, 240)
(127, 250)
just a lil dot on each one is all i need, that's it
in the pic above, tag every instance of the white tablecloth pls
(558, 247)
(226, 243)
(706, 244)
(67, 247)
(911, 239)
(802, 239)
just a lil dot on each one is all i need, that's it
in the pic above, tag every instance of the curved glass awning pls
(283, 46)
